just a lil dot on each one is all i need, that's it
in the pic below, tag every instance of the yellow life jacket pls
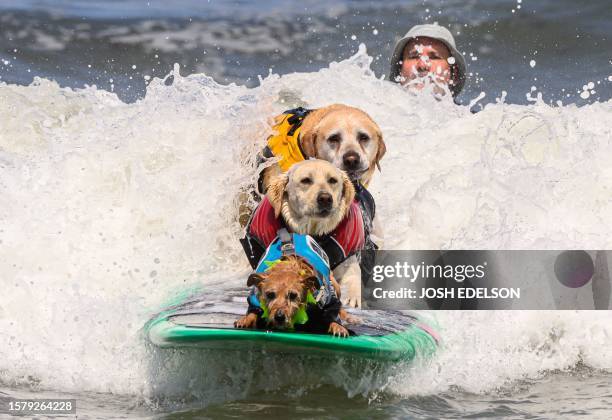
(284, 143)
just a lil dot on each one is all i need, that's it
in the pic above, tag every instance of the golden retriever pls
(344, 136)
(313, 197)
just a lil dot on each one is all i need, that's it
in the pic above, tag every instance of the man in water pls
(428, 53)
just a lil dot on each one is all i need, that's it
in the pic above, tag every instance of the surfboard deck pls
(379, 335)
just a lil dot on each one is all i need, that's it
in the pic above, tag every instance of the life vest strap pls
(287, 247)
(296, 118)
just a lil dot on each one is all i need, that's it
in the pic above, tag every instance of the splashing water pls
(110, 208)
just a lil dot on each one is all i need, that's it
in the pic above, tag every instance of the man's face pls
(425, 58)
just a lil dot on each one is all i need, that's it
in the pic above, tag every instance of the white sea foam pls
(110, 208)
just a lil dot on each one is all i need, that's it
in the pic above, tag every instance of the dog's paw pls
(349, 318)
(351, 294)
(352, 302)
(353, 298)
(247, 321)
(337, 330)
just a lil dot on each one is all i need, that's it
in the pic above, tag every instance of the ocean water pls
(556, 47)
(121, 196)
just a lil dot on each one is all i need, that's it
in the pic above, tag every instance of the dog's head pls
(313, 196)
(345, 136)
(284, 288)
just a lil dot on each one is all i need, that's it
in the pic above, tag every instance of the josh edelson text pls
(451, 282)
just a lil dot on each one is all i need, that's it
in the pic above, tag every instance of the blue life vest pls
(303, 246)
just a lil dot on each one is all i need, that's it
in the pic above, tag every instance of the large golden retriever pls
(344, 136)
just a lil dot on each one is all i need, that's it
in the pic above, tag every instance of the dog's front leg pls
(349, 275)
(247, 321)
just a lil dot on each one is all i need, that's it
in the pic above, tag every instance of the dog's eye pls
(306, 181)
(362, 137)
(292, 296)
(270, 295)
(334, 139)
(332, 181)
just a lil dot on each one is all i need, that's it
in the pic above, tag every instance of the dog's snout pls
(325, 200)
(351, 160)
(279, 317)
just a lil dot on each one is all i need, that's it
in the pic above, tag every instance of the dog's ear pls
(308, 140)
(255, 279)
(275, 192)
(311, 283)
(308, 132)
(382, 149)
(348, 190)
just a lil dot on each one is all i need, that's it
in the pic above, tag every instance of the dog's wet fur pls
(285, 287)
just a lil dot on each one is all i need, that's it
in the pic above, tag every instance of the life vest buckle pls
(287, 247)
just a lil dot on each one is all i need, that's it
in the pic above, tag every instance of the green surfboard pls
(379, 334)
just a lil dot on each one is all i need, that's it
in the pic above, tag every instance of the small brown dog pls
(284, 291)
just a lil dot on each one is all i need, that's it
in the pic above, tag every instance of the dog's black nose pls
(325, 201)
(279, 317)
(351, 161)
